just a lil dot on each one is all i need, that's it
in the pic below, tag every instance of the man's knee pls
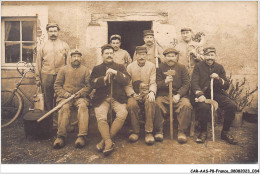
(65, 108)
(122, 113)
(203, 106)
(132, 104)
(100, 115)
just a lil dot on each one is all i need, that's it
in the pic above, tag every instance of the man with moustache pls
(200, 85)
(51, 57)
(180, 89)
(151, 46)
(121, 56)
(73, 79)
(144, 71)
(189, 50)
(101, 78)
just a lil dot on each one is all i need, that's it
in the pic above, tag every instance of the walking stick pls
(170, 73)
(111, 96)
(212, 109)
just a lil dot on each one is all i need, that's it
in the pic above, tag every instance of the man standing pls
(145, 72)
(189, 50)
(200, 85)
(153, 50)
(102, 78)
(51, 57)
(180, 88)
(73, 79)
(120, 56)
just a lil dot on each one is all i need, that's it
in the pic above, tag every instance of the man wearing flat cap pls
(121, 56)
(200, 86)
(180, 87)
(190, 51)
(73, 79)
(51, 57)
(153, 50)
(103, 77)
(144, 72)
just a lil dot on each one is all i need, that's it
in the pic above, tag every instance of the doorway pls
(131, 33)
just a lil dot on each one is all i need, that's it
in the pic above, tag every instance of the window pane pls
(29, 52)
(12, 30)
(28, 30)
(12, 52)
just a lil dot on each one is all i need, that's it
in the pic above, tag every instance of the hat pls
(49, 25)
(75, 51)
(170, 50)
(148, 32)
(116, 36)
(106, 46)
(208, 50)
(185, 29)
(141, 49)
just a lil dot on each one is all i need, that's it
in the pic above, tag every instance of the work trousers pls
(182, 109)
(225, 103)
(134, 109)
(101, 114)
(64, 115)
(47, 83)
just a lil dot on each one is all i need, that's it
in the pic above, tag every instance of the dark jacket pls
(200, 80)
(103, 88)
(181, 80)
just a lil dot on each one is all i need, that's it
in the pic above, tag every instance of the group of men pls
(126, 86)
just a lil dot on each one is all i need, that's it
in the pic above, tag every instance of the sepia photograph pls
(130, 82)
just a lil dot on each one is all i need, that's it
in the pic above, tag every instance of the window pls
(19, 40)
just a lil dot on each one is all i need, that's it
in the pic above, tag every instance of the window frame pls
(20, 19)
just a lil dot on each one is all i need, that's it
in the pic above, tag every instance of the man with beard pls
(189, 50)
(120, 56)
(200, 86)
(144, 71)
(102, 78)
(51, 57)
(73, 79)
(151, 46)
(180, 88)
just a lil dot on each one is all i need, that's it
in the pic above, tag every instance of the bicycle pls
(12, 102)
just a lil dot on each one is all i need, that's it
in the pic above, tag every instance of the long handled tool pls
(170, 73)
(57, 107)
(212, 109)
(111, 96)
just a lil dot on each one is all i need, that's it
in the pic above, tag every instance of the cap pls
(170, 50)
(208, 50)
(106, 46)
(49, 25)
(148, 32)
(141, 49)
(185, 29)
(115, 36)
(75, 51)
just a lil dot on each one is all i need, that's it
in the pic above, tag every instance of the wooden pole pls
(171, 111)
(212, 110)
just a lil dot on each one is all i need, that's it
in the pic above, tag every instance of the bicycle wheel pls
(11, 107)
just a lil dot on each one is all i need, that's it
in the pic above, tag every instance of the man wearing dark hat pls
(200, 85)
(180, 88)
(101, 78)
(145, 72)
(121, 56)
(153, 49)
(51, 57)
(71, 79)
(190, 51)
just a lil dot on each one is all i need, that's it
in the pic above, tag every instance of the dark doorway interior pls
(131, 33)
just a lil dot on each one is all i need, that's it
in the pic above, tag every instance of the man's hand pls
(137, 97)
(66, 95)
(176, 98)
(77, 95)
(214, 76)
(151, 96)
(168, 79)
(202, 98)
(111, 71)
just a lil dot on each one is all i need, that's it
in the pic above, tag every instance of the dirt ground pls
(16, 149)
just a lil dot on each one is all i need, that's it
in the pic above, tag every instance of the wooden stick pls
(111, 96)
(171, 111)
(212, 109)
